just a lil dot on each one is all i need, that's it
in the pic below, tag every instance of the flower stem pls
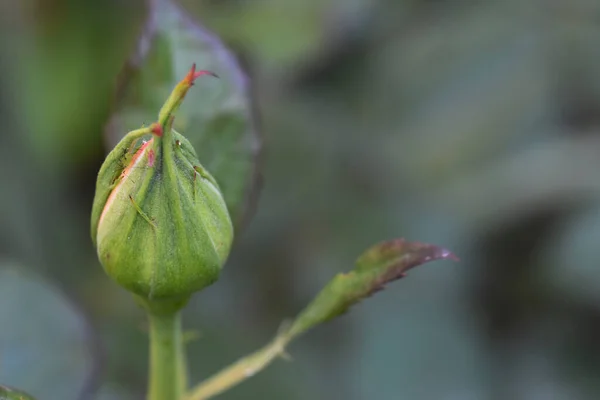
(167, 363)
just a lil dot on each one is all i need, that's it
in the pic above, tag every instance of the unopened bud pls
(159, 221)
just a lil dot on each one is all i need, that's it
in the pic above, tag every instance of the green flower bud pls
(159, 221)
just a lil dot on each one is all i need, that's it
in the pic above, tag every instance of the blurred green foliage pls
(469, 123)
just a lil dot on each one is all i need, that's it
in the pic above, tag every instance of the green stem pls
(167, 362)
(241, 370)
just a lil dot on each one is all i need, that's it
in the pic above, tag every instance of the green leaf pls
(217, 114)
(45, 344)
(379, 265)
(65, 103)
(8, 393)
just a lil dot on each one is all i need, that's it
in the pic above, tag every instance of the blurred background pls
(471, 124)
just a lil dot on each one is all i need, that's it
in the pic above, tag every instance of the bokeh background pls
(471, 124)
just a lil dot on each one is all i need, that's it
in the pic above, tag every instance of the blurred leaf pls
(560, 170)
(8, 393)
(282, 34)
(45, 345)
(63, 105)
(383, 263)
(216, 117)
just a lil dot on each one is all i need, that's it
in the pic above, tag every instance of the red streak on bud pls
(157, 129)
(137, 157)
(151, 158)
(193, 75)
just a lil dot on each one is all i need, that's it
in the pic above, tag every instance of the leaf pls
(45, 344)
(379, 265)
(216, 116)
(65, 103)
(8, 393)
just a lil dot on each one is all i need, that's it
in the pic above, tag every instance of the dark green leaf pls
(216, 116)
(45, 344)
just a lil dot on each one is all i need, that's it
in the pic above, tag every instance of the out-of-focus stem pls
(241, 370)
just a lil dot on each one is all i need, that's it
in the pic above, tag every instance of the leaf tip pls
(448, 255)
(402, 256)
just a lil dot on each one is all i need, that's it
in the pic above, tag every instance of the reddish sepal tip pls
(193, 74)
(205, 72)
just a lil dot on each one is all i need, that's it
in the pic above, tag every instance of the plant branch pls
(381, 264)
(241, 370)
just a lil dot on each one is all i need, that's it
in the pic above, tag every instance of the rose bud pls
(159, 221)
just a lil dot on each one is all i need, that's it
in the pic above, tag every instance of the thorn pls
(190, 336)
(190, 76)
(286, 356)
